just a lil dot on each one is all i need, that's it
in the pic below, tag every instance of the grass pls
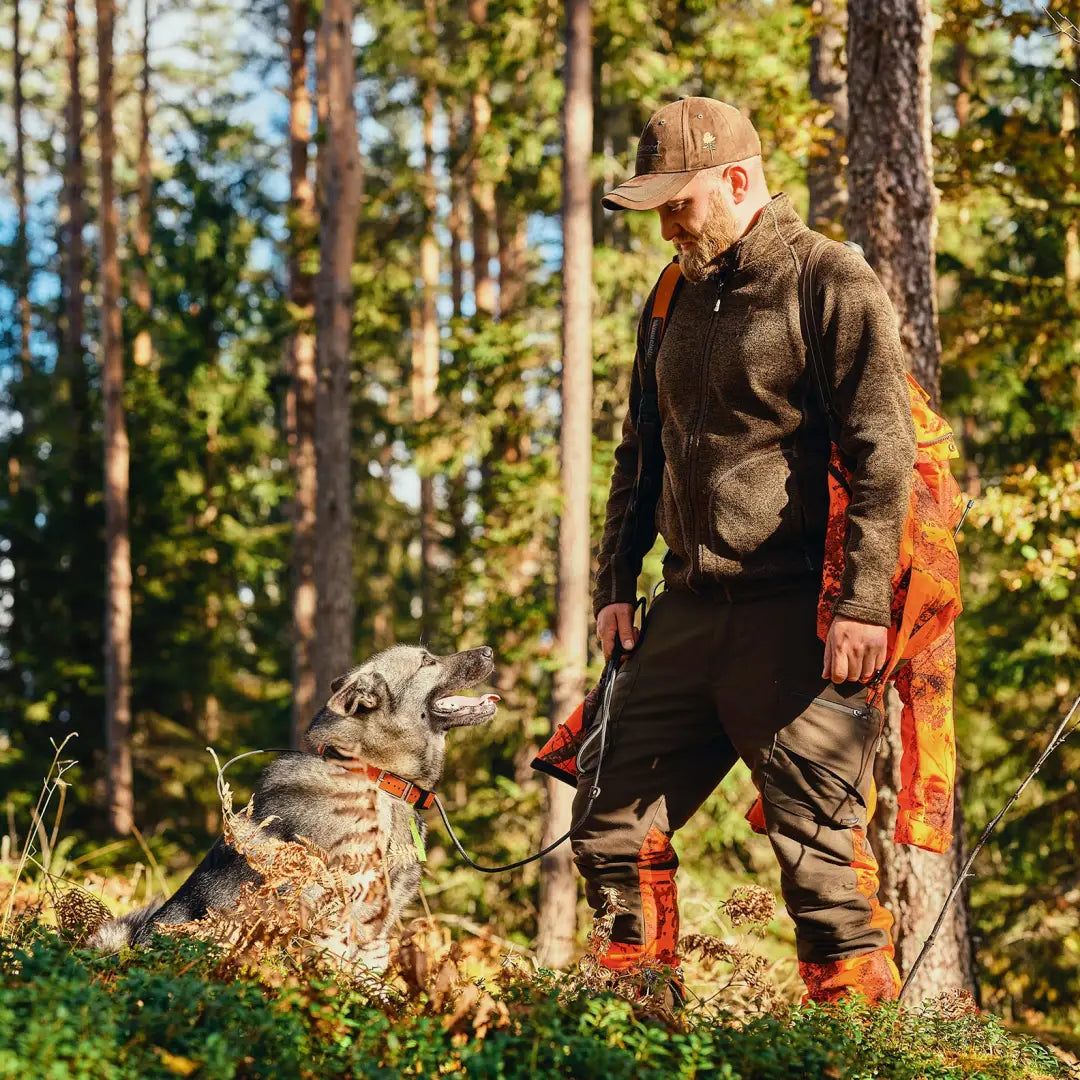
(226, 1001)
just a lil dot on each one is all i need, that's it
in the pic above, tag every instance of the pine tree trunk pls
(300, 400)
(340, 190)
(458, 224)
(558, 887)
(891, 213)
(21, 256)
(22, 251)
(1070, 106)
(510, 229)
(482, 195)
(81, 596)
(828, 87)
(140, 277)
(118, 773)
(425, 369)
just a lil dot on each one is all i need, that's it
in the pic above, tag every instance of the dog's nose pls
(485, 652)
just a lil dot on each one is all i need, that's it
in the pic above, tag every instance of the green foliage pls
(158, 1013)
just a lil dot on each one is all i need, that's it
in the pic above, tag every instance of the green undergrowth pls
(161, 1012)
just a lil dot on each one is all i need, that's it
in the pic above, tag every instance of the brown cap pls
(681, 138)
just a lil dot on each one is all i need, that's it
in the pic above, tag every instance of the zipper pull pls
(720, 291)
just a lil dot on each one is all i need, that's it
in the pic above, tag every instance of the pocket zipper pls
(838, 706)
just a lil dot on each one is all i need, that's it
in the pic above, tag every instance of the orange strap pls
(665, 290)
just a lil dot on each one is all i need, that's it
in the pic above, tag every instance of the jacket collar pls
(776, 225)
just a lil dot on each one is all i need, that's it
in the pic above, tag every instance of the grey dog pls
(391, 712)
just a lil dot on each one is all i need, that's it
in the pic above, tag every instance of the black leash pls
(599, 732)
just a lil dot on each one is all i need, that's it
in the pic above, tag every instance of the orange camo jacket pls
(921, 655)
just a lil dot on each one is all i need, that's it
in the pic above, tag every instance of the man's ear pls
(357, 693)
(739, 179)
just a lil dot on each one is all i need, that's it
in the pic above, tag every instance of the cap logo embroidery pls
(708, 142)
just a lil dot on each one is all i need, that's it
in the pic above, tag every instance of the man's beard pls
(718, 233)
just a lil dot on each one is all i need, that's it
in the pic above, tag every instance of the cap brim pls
(647, 192)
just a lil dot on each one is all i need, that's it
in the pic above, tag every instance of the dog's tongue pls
(459, 701)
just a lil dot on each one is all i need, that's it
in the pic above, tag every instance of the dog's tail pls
(114, 934)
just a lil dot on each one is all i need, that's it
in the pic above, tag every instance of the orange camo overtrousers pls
(699, 693)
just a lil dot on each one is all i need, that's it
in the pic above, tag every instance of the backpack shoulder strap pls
(811, 330)
(666, 290)
(648, 417)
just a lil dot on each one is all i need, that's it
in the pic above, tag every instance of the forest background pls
(185, 304)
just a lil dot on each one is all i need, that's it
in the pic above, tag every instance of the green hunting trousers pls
(713, 680)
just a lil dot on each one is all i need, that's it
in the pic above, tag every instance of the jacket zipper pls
(695, 434)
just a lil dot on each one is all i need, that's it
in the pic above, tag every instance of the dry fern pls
(310, 908)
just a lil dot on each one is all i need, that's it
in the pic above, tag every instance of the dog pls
(389, 715)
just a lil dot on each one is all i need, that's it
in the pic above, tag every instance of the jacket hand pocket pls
(752, 503)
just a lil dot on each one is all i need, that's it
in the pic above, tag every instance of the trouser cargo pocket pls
(820, 765)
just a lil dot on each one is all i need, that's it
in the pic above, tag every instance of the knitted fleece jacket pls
(744, 497)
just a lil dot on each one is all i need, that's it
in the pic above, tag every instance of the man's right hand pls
(616, 619)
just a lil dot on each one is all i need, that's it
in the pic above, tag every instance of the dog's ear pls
(353, 694)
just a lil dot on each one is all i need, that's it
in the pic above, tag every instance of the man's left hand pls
(854, 650)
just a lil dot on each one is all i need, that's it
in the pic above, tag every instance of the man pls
(729, 664)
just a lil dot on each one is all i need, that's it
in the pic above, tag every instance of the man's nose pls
(667, 225)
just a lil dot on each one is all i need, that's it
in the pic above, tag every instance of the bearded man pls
(729, 664)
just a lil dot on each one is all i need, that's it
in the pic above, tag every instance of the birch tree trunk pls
(891, 214)
(558, 887)
(828, 87)
(300, 398)
(340, 189)
(140, 278)
(118, 772)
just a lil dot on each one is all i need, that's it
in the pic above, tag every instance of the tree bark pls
(1070, 106)
(140, 277)
(513, 257)
(457, 223)
(82, 606)
(828, 87)
(300, 399)
(891, 213)
(340, 190)
(458, 220)
(73, 261)
(118, 773)
(424, 383)
(890, 182)
(481, 191)
(558, 887)
(22, 250)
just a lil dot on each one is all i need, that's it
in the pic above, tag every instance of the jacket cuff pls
(851, 609)
(917, 833)
(620, 587)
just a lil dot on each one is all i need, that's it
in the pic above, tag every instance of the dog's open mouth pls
(458, 709)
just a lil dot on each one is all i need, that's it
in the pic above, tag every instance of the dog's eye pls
(428, 661)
